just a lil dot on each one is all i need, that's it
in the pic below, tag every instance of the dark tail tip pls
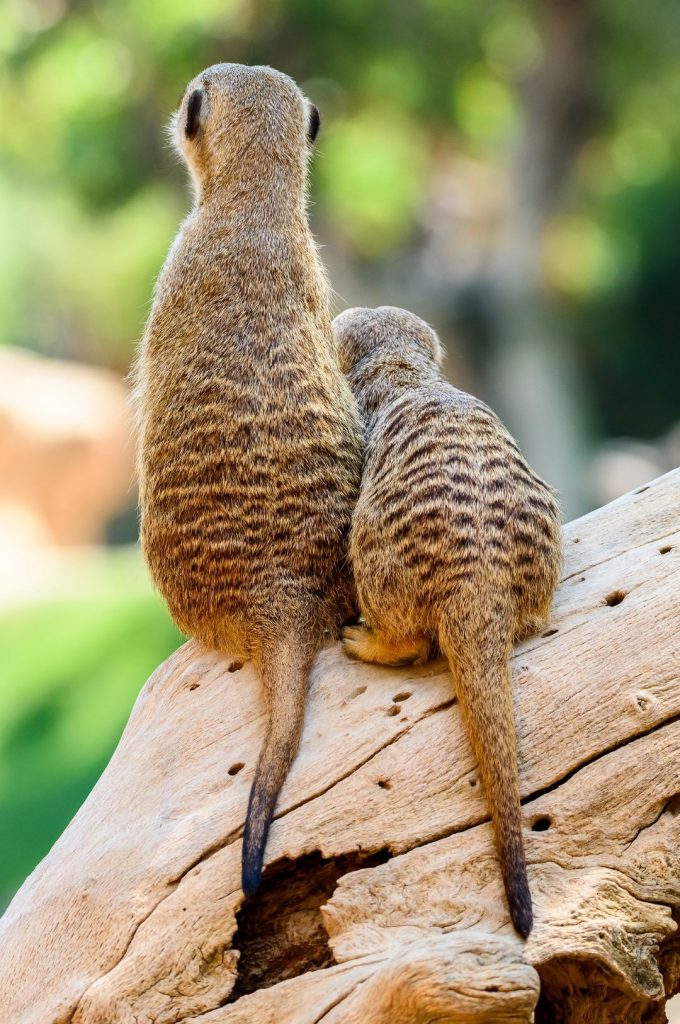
(522, 917)
(251, 876)
(251, 863)
(519, 900)
(254, 839)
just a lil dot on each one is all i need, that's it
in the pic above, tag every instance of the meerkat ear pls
(194, 107)
(313, 123)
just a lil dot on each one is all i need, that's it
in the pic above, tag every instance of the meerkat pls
(455, 545)
(249, 439)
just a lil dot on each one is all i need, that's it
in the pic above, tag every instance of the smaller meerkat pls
(455, 544)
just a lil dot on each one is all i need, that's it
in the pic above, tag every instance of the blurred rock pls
(65, 454)
(671, 446)
(622, 465)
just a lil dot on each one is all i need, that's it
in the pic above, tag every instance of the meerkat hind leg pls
(366, 644)
(531, 625)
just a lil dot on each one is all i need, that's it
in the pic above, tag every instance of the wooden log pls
(382, 900)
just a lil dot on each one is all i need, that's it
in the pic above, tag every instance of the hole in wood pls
(616, 597)
(235, 666)
(472, 782)
(236, 768)
(194, 686)
(541, 824)
(550, 632)
(673, 806)
(384, 783)
(280, 933)
(665, 550)
(577, 540)
(402, 695)
(394, 710)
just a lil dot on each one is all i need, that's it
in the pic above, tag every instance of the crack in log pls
(235, 834)
(617, 554)
(669, 804)
(672, 805)
(444, 706)
(485, 819)
(137, 926)
(341, 999)
(336, 1003)
(197, 1018)
(280, 932)
(220, 844)
(595, 757)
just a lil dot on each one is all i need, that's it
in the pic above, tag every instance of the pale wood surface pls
(131, 916)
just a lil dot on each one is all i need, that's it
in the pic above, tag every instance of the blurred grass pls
(71, 670)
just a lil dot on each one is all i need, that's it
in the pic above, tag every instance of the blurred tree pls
(532, 366)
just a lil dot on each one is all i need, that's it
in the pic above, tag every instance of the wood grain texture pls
(384, 901)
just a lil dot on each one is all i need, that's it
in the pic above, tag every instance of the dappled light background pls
(509, 171)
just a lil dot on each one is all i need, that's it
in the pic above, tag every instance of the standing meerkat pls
(455, 543)
(249, 439)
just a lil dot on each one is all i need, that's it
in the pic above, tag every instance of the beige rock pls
(65, 458)
(383, 902)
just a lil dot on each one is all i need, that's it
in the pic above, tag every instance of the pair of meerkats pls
(270, 439)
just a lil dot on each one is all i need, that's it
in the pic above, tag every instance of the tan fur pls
(249, 439)
(455, 543)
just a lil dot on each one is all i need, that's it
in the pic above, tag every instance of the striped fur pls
(249, 440)
(455, 545)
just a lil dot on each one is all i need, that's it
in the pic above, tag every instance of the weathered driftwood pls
(383, 902)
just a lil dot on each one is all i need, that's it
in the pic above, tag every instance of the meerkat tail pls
(478, 657)
(284, 669)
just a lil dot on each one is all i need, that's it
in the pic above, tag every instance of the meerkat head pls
(388, 333)
(233, 117)
(384, 350)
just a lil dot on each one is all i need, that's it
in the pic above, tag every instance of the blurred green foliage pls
(90, 194)
(71, 669)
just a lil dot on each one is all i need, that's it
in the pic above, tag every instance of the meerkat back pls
(455, 544)
(249, 441)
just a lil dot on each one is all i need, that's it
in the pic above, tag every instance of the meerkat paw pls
(365, 644)
(529, 627)
(357, 642)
